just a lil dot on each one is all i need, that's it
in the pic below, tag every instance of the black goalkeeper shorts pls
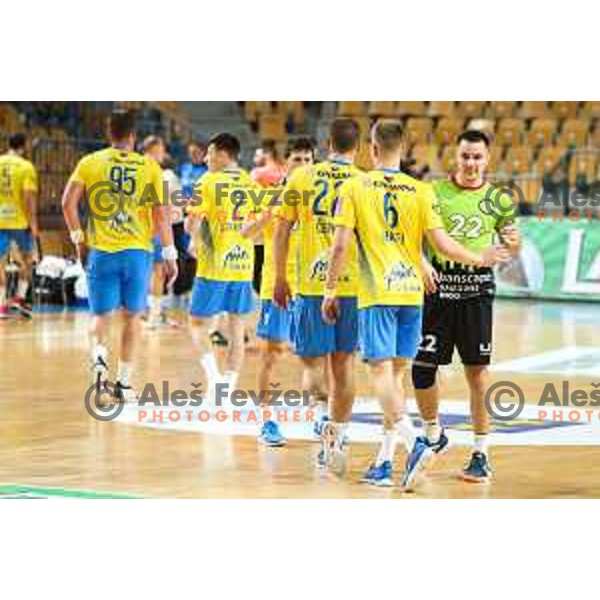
(462, 324)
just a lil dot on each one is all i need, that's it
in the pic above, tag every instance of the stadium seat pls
(351, 108)
(470, 109)
(574, 133)
(418, 130)
(271, 126)
(383, 108)
(448, 160)
(425, 155)
(447, 130)
(510, 132)
(547, 159)
(590, 109)
(583, 164)
(501, 109)
(411, 108)
(518, 160)
(565, 110)
(542, 131)
(442, 108)
(533, 110)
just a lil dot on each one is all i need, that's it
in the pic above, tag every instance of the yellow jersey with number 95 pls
(122, 189)
(17, 176)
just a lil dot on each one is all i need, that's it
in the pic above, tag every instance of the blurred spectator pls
(268, 170)
(191, 171)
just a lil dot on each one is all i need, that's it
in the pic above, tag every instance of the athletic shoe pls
(18, 305)
(4, 312)
(379, 475)
(270, 435)
(478, 469)
(334, 453)
(218, 339)
(100, 370)
(417, 459)
(318, 427)
(441, 445)
(125, 393)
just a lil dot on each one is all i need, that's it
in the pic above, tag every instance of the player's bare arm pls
(253, 229)
(281, 241)
(72, 196)
(430, 276)
(337, 260)
(165, 233)
(450, 248)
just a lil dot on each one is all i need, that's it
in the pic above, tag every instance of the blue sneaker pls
(419, 456)
(478, 469)
(271, 436)
(318, 427)
(441, 445)
(379, 475)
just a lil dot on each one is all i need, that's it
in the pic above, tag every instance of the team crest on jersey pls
(397, 273)
(235, 254)
(318, 270)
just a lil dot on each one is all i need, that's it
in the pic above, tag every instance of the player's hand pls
(430, 278)
(511, 238)
(192, 250)
(494, 255)
(282, 293)
(171, 272)
(330, 309)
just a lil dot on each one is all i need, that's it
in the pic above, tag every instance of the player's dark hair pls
(226, 142)
(150, 142)
(199, 143)
(473, 136)
(344, 135)
(301, 143)
(17, 141)
(121, 123)
(388, 134)
(270, 147)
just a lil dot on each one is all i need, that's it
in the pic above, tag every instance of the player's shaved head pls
(121, 124)
(344, 135)
(388, 135)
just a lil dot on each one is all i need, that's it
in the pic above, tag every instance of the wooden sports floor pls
(47, 438)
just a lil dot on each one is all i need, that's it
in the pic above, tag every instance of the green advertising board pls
(558, 260)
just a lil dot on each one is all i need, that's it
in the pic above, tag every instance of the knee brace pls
(423, 376)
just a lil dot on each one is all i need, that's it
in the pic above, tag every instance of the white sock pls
(481, 443)
(211, 368)
(387, 449)
(124, 372)
(99, 351)
(433, 430)
(154, 302)
(22, 288)
(407, 433)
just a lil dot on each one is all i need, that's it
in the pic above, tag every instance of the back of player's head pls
(151, 142)
(17, 142)
(344, 135)
(121, 124)
(226, 142)
(388, 135)
(301, 143)
(473, 136)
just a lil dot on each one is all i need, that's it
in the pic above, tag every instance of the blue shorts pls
(157, 256)
(21, 237)
(211, 297)
(118, 280)
(274, 323)
(313, 337)
(389, 331)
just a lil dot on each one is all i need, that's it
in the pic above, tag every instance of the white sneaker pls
(126, 393)
(100, 366)
(333, 449)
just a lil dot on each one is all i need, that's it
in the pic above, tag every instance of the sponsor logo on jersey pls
(396, 274)
(235, 254)
(318, 270)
